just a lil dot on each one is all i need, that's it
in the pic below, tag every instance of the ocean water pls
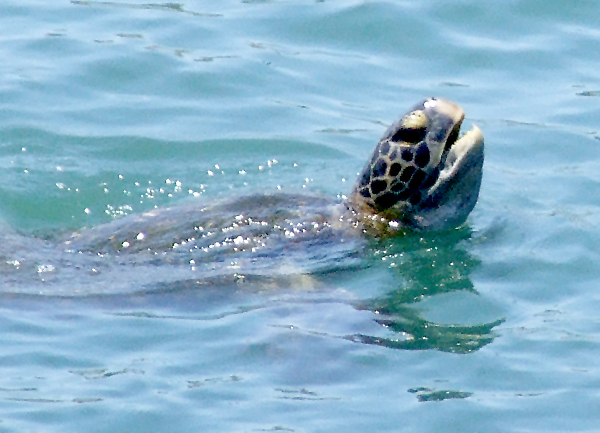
(110, 109)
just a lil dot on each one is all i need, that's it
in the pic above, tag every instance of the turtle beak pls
(470, 142)
(454, 195)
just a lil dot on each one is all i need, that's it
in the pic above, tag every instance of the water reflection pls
(428, 266)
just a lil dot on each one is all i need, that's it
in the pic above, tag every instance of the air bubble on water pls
(45, 268)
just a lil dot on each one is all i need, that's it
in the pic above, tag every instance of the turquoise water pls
(109, 109)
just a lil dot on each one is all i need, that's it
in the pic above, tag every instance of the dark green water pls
(109, 109)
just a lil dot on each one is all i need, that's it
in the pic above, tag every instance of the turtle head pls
(422, 174)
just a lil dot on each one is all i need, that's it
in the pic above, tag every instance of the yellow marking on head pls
(415, 120)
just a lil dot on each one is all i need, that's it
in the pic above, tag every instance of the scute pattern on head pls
(395, 175)
(406, 160)
(399, 165)
(422, 175)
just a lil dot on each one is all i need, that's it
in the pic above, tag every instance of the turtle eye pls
(413, 128)
(409, 135)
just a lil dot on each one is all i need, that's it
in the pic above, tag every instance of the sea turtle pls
(421, 176)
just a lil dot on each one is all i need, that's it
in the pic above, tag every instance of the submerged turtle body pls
(421, 176)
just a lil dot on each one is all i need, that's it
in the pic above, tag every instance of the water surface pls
(111, 109)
